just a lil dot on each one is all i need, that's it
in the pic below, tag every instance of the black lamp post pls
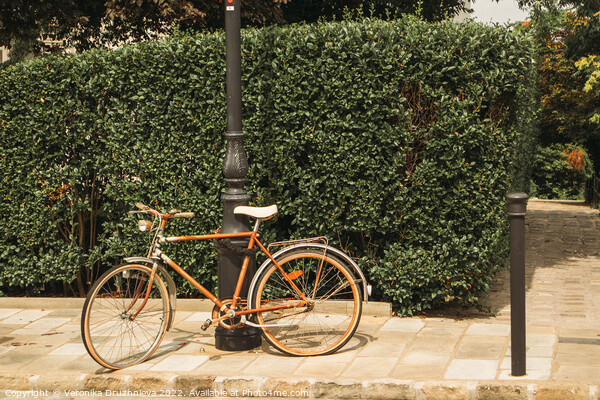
(235, 168)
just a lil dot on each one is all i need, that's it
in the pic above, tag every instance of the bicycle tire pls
(110, 336)
(321, 329)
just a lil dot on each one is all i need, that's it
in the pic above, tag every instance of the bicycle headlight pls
(144, 225)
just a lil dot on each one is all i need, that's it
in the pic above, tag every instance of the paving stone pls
(382, 349)
(367, 328)
(393, 336)
(425, 358)
(370, 367)
(472, 369)
(574, 348)
(7, 312)
(343, 355)
(65, 313)
(198, 317)
(273, 365)
(531, 363)
(227, 365)
(41, 326)
(403, 325)
(547, 352)
(530, 375)
(16, 359)
(419, 371)
(48, 363)
(578, 333)
(192, 348)
(25, 317)
(69, 349)
(580, 373)
(178, 362)
(83, 364)
(489, 330)
(312, 367)
(434, 344)
(479, 351)
(440, 331)
(7, 329)
(540, 340)
(577, 360)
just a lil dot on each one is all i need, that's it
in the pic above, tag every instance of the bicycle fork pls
(139, 290)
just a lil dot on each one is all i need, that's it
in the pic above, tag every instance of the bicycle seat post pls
(256, 225)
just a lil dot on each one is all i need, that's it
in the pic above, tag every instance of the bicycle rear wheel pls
(321, 327)
(112, 335)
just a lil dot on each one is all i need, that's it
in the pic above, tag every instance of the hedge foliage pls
(396, 139)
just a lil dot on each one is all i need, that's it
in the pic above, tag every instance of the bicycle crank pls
(224, 319)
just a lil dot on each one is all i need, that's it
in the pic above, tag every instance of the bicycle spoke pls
(112, 336)
(321, 327)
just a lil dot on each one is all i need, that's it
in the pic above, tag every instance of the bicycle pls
(305, 297)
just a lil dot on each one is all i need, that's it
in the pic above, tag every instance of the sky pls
(500, 12)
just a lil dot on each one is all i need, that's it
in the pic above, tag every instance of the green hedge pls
(396, 139)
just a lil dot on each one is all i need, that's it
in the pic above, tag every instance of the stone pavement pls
(449, 354)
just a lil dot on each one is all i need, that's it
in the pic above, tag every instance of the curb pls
(144, 385)
(371, 308)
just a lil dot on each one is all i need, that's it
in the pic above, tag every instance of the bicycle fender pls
(329, 250)
(171, 288)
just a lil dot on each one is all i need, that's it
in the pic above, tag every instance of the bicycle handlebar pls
(183, 215)
(171, 214)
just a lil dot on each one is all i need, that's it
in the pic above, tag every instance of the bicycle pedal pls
(206, 324)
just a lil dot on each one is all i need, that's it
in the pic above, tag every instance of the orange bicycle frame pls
(253, 240)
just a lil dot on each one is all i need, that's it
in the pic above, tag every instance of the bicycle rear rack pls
(317, 239)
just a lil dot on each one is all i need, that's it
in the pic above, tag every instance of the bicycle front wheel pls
(112, 332)
(323, 325)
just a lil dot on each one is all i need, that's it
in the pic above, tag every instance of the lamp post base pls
(241, 339)
(246, 337)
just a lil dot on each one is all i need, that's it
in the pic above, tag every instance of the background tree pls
(585, 39)
(429, 10)
(565, 31)
(590, 65)
(26, 25)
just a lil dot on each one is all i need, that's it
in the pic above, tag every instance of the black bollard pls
(517, 209)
